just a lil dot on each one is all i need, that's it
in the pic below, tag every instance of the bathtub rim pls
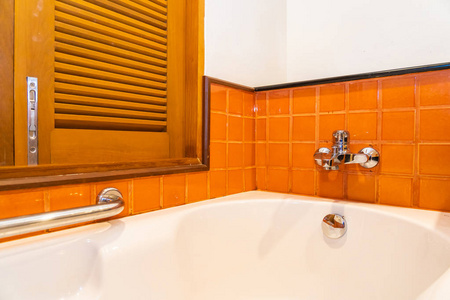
(428, 219)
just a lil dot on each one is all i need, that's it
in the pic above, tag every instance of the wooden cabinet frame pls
(196, 133)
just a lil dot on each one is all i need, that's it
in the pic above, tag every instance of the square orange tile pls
(435, 193)
(432, 159)
(398, 126)
(278, 180)
(235, 101)
(218, 154)
(279, 129)
(250, 179)
(218, 98)
(235, 181)
(435, 125)
(278, 102)
(330, 123)
(332, 97)
(397, 159)
(330, 184)
(124, 187)
(197, 184)
(249, 130)
(361, 188)
(304, 100)
(218, 127)
(249, 104)
(434, 88)
(261, 179)
(70, 196)
(261, 129)
(395, 191)
(218, 183)
(302, 155)
(261, 104)
(146, 194)
(304, 128)
(235, 155)
(362, 126)
(235, 128)
(303, 182)
(278, 155)
(249, 155)
(22, 202)
(363, 95)
(397, 91)
(261, 155)
(174, 190)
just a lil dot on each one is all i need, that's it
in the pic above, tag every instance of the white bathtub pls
(255, 245)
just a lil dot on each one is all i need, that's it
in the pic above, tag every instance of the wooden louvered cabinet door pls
(111, 79)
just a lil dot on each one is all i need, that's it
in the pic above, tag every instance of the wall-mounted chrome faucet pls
(330, 159)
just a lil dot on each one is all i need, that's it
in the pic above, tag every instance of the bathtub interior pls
(268, 246)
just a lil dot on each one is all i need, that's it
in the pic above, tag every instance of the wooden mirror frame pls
(196, 150)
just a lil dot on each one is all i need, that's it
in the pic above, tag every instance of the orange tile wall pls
(232, 170)
(406, 118)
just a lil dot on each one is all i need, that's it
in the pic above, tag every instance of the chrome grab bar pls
(109, 203)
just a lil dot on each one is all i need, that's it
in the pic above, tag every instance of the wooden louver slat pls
(110, 74)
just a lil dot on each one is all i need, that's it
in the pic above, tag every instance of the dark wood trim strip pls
(206, 121)
(77, 178)
(386, 73)
(210, 80)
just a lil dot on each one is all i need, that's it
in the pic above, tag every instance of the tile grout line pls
(186, 200)
(161, 192)
(347, 109)
(379, 138)
(243, 145)
(415, 197)
(131, 188)
(291, 133)
(316, 140)
(227, 109)
(266, 170)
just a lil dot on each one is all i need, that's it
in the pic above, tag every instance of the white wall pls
(245, 41)
(264, 42)
(330, 38)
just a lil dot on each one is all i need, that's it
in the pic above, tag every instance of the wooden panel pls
(103, 17)
(194, 72)
(115, 16)
(176, 74)
(7, 82)
(34, 56)
(99, 122)
(64, 108)
(87, 25)
(155, 81)
(93, 146)
(122, 9)
(100, 53)
(104, 93)
(99, 102)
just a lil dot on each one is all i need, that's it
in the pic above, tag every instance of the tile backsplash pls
(266, 140)
(406, 118)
